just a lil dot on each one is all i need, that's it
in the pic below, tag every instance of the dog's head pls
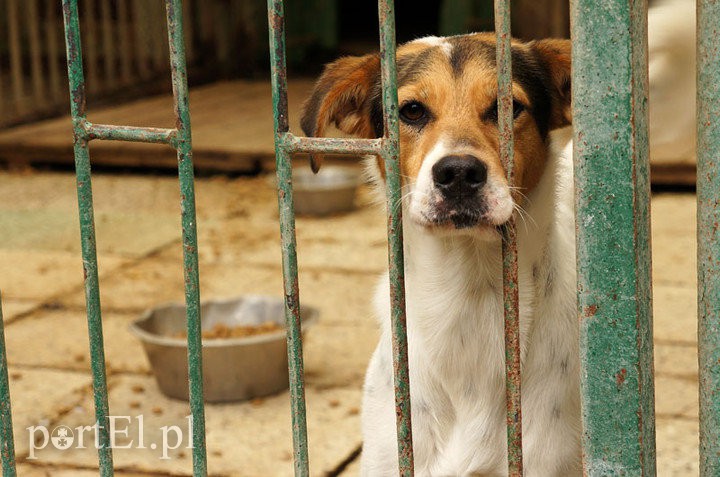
(449, 141)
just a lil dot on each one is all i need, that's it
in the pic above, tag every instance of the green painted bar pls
(87, 232)
(276, 20)
(189, 231)
(130, 133)
(708, 216)
(328, 145)
(509, 243)
(391, 151)
(7, 441)
(613, 235)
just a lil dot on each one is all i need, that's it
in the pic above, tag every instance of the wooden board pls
(232, 126)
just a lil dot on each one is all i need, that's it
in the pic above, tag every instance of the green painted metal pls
(708, 217)
(7, 441)
(285, 145)
(509, 243)
(276, 19)
(178, 67)
(179, 138)
(390, 155)
(87, 232)
(613, 235)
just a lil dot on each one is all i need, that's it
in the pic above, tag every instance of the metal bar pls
(130, 133)
(511, 303)
(7, 441)
(178, 68)
(609, 96)
(708, 247)
(390, 155)
(87, 233)
(294, 144)
(276, 21)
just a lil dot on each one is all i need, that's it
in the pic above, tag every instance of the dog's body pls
(456, 346)
(455, 197)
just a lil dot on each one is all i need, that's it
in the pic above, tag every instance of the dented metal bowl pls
(234, 369)
(332, 190)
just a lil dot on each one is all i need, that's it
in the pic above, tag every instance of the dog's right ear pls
(342, 97)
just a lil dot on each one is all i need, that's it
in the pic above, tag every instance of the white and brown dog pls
(455, 197)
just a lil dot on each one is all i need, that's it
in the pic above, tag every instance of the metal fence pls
(613, 262)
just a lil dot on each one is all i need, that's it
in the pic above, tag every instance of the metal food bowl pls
(233, 368)
(330, 191)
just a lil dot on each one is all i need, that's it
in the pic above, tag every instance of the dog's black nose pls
(459, 176)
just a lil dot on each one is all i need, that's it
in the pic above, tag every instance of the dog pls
(455, 199)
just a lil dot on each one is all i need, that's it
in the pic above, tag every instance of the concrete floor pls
(138, 230)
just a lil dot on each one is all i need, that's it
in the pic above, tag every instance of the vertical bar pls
(87, 232)
(386, 10)
(509, 243)
(708, 247)
(276, 20)
(613, 235)
(7, 441)
(140, 21)
(187, 190)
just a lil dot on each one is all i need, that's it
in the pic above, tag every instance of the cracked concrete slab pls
(251, 438)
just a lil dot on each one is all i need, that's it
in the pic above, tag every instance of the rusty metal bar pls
(285, 145)
(708, 246)
(295, 144)
(180, 139)
(130, 133)
(7, 440)
(276, 19)
(87, 233)
(178, 67)
(390, 155)
(610, 94)
(509, 243)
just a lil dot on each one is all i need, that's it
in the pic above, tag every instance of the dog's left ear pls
(556, 58)
(342, 96)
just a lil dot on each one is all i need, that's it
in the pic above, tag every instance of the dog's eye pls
(518, 108)
(413, 112)
(492, 113)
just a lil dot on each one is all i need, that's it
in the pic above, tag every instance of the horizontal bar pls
(326, 145)
(612, 198)
(708, 246)
(130, 133)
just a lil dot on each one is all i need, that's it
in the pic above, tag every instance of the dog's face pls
(449, 140)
